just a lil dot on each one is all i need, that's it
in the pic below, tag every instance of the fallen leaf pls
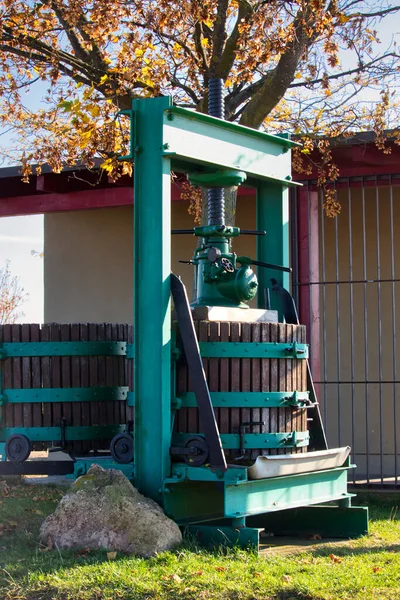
(220, 569)
(111, 555)
(12, 524)
(197, 573)
(286, 578)
(257, 574)
(175, 578)
(335, 558)
(377, 569)
(316, 536)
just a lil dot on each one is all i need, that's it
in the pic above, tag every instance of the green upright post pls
(152, 311)
(273, 217)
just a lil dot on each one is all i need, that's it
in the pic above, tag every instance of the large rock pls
(103, 510)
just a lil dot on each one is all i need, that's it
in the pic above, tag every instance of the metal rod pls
(253, 232)
(360, 382)
(378, 265)
(365, 330)
(392, 270)
(337, 297)
(310, 319)
(216, 108)
(353, 408)
(349, 281)
(325, 404)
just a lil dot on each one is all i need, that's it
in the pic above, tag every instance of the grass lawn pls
(363, 569)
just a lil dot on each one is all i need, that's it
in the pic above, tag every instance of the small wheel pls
(200, 454)
(18, 448)
(121, 448)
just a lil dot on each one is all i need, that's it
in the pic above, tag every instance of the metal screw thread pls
(216, 108)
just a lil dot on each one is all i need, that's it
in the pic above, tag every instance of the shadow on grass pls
(292, 594)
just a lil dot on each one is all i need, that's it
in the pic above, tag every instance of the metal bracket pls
(195, 366)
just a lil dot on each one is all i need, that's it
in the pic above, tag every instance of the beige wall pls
(340, 320)
(88, 267)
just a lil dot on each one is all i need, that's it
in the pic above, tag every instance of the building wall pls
(88, 266)
(360, 326)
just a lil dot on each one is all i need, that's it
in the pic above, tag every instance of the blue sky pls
(20, 235)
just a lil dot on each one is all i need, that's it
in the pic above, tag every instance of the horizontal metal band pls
(25, 349)
(248, 399)
(253, 350)
(231, 441)
(92, 394)
(54, 434)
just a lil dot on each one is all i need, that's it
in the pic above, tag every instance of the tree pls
(12, 296)
(288, 65)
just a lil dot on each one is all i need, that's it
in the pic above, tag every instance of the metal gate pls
(347, 284)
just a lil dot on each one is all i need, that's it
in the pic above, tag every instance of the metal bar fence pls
(359, 313)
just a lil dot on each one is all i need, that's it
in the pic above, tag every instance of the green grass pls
(363, 569)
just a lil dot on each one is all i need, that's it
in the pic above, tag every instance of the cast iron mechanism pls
(195, 367)
(121, 448)
(194, 453)
(18, 448)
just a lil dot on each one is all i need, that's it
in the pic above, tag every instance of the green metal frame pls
(248, 399)
(272, 215)
(40, 395)
(25, 349)
(55, 434)
(232, 441)
(253, 350)
(152, 308)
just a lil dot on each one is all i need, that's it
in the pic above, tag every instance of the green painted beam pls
(217, 144)
(152, 308)
(235, 128)
(54, 434)
(272, 215)
(22, 349)
(40, 395)
(231, 441)
(253, 350)
(280, 493)
(248, 399)
(326, 521)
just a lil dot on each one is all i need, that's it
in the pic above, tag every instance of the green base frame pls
(324, 521)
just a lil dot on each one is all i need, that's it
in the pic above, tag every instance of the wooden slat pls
(94, 382)
(85, 382)
(274, 383)
(245, 383)
(78, 446)
(256, 381)
(27, 414)
(213, 365)
(224, 377)
(203, 336)
(17, 376)
(265, 380)
(193, 413)
(7, 367)
(45, 363)
(235, 383)
(130, 411)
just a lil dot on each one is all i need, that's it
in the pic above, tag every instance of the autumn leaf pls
(220, 569)
(111, 555)
(377, 569)
(335, 558)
